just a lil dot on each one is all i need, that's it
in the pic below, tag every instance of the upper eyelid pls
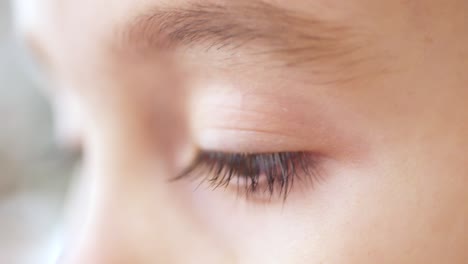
(259, 119)
(258, 123)
(244, 108)
(232, 140)
(256, 112)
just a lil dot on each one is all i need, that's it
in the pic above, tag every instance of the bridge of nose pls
(133, 214)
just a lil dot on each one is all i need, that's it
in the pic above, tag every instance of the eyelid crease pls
(252, 107)
(253, 130)
(289, 125)
(252, 121)
(233, 140)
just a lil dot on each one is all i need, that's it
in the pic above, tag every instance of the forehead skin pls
(402, 203)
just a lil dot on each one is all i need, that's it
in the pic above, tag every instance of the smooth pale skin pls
(395, 138)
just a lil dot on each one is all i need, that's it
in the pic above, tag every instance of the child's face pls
(322, 131)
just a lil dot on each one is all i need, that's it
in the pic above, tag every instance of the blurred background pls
(33, 171)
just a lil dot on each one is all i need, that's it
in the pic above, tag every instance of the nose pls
(119, 222)
(127, 213)
(126, 210)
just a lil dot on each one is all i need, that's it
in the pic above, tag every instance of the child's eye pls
(256, 175)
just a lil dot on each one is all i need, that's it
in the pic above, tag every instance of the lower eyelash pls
(270, 173)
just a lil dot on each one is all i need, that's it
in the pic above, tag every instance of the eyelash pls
(277, 171)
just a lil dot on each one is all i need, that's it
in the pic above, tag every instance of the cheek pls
(407, 208)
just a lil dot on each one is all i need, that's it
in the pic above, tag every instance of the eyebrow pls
(294, 37)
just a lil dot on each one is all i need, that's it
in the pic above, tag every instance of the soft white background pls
(33, 171)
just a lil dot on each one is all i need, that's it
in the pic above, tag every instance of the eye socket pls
(260, 176)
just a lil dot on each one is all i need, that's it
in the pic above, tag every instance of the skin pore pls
(373, 91)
